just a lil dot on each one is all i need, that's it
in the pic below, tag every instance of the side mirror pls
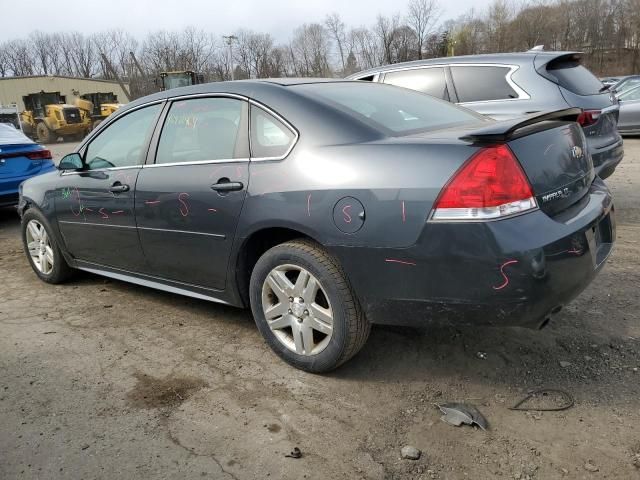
(72, 161)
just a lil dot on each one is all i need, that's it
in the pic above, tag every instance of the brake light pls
(588, 117)
(490, 185)
(39, 155)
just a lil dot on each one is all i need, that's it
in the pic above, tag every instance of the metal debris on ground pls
(458, 413)
(295, 453)
(565, 403)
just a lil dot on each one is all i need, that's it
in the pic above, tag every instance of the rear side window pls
(574, 77)
(479, 83)
(270, 138)
(431, 81)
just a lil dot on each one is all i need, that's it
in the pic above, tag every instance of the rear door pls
(188, 201)
(95, 206)
(630, 111)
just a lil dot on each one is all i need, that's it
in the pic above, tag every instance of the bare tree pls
(422, 18)
(336, 28)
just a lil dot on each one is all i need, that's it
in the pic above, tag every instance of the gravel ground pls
(104, 380)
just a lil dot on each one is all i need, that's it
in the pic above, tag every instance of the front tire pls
(44, 134)
(42, 250)
(305, 308)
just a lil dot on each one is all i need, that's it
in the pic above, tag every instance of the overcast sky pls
(278, 17)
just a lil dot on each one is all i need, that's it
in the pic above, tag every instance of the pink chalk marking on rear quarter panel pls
(402, 262)
(118, 211)
(404, 215)
(211, 210)
(506, 279)
(152, 202)
(309, 205)
(347, 216)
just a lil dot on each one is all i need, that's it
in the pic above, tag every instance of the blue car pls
(20, 158)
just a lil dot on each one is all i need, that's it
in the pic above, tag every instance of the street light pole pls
(230, 39)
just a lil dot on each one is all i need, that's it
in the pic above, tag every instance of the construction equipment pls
(95, 107)
(182, 78)
(9, 115)
(47, 117)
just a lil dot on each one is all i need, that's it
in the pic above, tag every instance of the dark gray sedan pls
(328, 206)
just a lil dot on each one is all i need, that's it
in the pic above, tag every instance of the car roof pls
(249, 88)
(11, 135)
(512, 57)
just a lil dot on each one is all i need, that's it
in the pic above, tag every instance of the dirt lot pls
(101, 379)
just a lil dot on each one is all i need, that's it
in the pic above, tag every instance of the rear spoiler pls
(504, 130)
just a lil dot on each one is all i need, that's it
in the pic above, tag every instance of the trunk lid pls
(552, 150)
(14, 163)
(558, 164)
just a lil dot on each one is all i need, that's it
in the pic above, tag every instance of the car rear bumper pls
(517, 271)
(9, 187)
(606, 159)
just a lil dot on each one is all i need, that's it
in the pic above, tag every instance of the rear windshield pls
(394, 110)
(575, 77)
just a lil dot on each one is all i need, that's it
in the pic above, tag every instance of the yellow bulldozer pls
(183, 78)
(95, 107)
(46, 118)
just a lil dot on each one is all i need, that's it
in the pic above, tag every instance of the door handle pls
(118, 187)
(227, 186)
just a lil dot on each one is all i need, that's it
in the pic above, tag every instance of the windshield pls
(175, 80)
(393, 110)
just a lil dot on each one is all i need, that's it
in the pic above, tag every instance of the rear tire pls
(42, 250)
(301, 288)
(44, 134)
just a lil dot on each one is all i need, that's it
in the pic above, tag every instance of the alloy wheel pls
(39, 246)
(297, 309)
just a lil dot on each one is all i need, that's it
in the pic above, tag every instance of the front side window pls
(122, 143)
(270, 138)
(431, 81)
(482, 83)
(202, 129)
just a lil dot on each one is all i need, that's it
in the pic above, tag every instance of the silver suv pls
(507, 85)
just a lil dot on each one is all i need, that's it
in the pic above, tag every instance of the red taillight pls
(490, 185)
(588, 117)
(39, 155)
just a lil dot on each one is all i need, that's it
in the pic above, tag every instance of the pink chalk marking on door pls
(309, 205)
(103, 213)
(401, 262)
(184, 206)
(87, 209)
(152, 202)
(211, 210)
(118, 211)
(506, 279)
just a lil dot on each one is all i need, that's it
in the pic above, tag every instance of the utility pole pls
(230, 39)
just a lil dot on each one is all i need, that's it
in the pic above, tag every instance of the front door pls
(188, 202)
(95, 205)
